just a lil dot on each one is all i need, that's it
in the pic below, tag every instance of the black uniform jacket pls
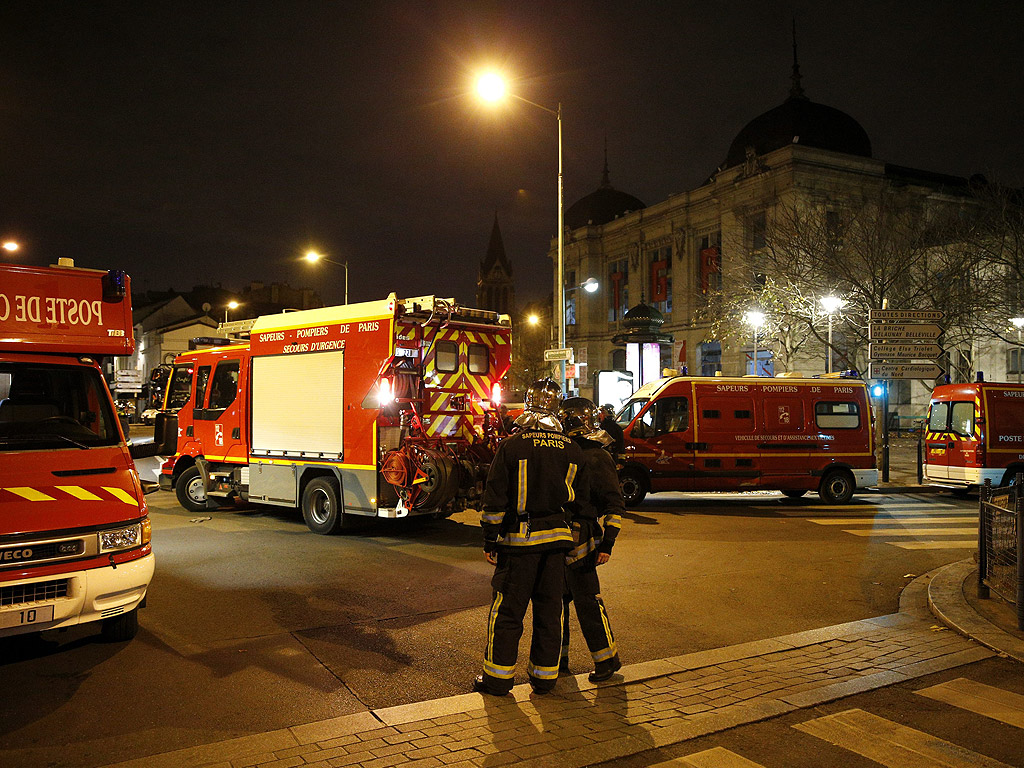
(604, 502)
(534, 485)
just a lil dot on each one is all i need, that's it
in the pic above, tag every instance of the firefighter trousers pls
(522, 578)
(583, 588)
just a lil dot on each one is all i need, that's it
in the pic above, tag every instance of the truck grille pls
(38, 592)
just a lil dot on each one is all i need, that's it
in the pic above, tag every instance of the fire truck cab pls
(734, 434)
(379, 409)
(74, 531)
(975, 433)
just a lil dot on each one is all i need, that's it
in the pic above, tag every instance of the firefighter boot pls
(605, 669)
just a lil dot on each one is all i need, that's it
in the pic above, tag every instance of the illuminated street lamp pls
(532, 319)
(590, 285)
(755, 320)
(313, 257)
(1018, 323)
(229, 306)
(830, 304)
(491, 87)
(10, 246)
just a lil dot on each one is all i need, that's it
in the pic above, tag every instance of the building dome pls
(798, 120)
(601, 206)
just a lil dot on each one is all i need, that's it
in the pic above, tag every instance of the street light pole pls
(491, 87)
(830, 304)
(313, 257)
(561, 251)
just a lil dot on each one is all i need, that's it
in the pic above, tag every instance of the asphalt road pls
(254, 623)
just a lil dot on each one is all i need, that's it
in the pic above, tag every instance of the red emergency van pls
(736, 434)
(975, 433)
(74, 533)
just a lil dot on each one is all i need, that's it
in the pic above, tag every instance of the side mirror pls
(639, 430)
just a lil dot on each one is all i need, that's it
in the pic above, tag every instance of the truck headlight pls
(121, 538)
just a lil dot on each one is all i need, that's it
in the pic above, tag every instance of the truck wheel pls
(320, 507)
(634, 489)
(836, 487)
(190, 492)
(118, 629)
(1010, 477)
(794, 494)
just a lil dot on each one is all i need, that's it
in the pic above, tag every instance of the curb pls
(947, 601)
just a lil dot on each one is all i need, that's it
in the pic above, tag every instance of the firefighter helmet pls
(541, 406)
(579, 416)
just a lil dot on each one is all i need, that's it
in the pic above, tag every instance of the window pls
(758, 227)
(479, 359)
(961, 419)
(1013, 361)
(710, 358)
(629, 411)
(671, 415)
(837, 415)
(939, 417)
(447, 356)
(201, 380)
(224, 386)
(727, 414)
(180, 388)
(709, 248)
(54, 406)
(660, 288)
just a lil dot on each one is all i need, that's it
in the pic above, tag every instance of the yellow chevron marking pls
(31, 494)
(78, 492)
(121, 495)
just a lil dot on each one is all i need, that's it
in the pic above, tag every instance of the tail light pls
(385, 393)
(495, 395)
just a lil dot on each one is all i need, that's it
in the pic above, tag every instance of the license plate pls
(20, 618)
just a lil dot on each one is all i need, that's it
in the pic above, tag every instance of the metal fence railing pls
(1000, 544)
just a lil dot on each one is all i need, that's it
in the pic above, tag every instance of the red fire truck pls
(720, 434)
(74, 533)
(380, 409)
(975, 433)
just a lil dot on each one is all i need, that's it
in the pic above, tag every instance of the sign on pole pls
(906, 315)
(554, 355)
(892, 350)
(904, 370)
(904, 331)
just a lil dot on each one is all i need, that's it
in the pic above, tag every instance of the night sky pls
(215, 142)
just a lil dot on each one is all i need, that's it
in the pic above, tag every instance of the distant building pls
(670, 254)
(495, 289)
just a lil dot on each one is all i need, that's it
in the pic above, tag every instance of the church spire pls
(606, 182)
(797, 91)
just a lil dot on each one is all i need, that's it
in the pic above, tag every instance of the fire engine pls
(74, 531)
(380, 409)
(751, 433)
(975, 432)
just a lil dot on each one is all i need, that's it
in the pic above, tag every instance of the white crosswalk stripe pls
(987, 700)
(717, 757)
(931, 525)
(892, 744)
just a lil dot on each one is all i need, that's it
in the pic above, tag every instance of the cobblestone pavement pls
(648, 705)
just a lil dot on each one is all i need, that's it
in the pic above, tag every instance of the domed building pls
(680, 252)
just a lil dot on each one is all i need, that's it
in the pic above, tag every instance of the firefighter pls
(532, 488)
(592, 542)
(611, 426)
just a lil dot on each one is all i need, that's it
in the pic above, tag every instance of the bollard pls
(1017, 508)
(920, 460)
(983, 501)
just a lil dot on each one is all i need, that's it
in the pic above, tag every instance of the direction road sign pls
(904, 331)
(554, 355)
(906, 315)
(903, 370)
(893, 350)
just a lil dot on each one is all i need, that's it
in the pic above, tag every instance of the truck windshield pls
(629, 411)
(54, 406)
(180, 388)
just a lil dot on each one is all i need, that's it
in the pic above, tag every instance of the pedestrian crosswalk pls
(909, 523)
(886, 742)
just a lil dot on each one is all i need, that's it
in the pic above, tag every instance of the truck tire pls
(836, 487)
(633, 486)
(119, 629)
(320, 506)
(1010, 476)
(190, 492)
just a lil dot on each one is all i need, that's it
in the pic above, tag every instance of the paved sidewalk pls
(650, 705)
